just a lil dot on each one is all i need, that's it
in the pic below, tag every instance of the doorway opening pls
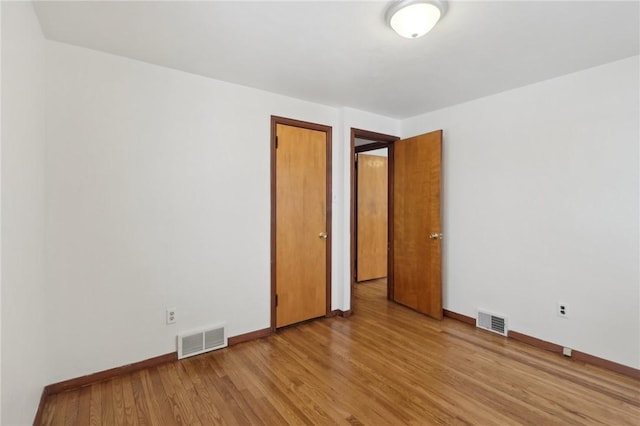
(414, 222)
(371, 190)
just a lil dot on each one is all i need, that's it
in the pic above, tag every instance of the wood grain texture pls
(416, 214)
(241, 338)
(554, 347)
(542, 344)
(340, 313)
(301, 216)
(456, 316)
(609, 365)
(577, 355)
(91, 379)
(40, 411)
(386, 365)
(345, 314)
(372, 208)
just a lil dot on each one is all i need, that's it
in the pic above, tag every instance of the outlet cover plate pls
(562, 310)
(171, 315)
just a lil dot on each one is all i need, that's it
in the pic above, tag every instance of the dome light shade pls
(414, 18)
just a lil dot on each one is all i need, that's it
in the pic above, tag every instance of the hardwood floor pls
(385, 365)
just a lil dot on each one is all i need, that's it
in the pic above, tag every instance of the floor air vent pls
(492, 322)
(202, 340)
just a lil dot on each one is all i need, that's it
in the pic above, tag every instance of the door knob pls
(435, 236)
(323, 235)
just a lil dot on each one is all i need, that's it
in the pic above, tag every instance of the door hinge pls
(276, 142)
(276, 300)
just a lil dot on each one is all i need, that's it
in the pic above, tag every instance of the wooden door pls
(417, 281)
(372, 239)
(301, 225)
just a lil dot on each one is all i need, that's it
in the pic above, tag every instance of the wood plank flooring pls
(384, 365)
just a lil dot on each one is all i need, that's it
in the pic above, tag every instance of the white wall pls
(23, 149)
(0, 217)
(158, 195)
(541, 194)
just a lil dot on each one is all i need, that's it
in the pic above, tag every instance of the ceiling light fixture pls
(414, 18)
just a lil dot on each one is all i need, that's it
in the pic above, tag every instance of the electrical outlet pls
(171, 315)
(566, 352)
(563, 310)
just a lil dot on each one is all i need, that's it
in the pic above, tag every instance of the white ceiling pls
(341, 53)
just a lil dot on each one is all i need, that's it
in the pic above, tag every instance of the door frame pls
(275, 120)
(378, 140)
